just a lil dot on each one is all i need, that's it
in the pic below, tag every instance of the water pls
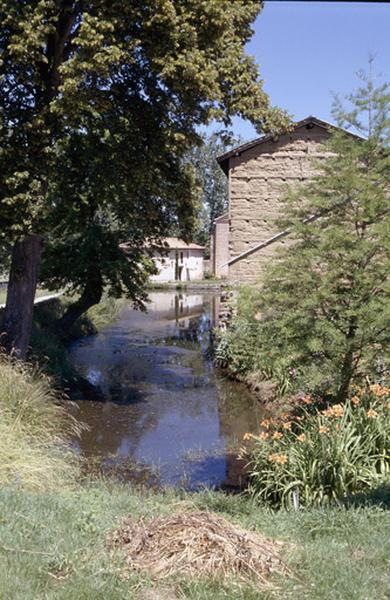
(161, 413)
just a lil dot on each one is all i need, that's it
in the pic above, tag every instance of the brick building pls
(246, 238)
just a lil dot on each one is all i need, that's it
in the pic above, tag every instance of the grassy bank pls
(49, 351)
(34, 428)
(53, 546)
(54, 524)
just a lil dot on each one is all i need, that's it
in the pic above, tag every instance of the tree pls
(325, 303)
(212, 181)
(130, 81)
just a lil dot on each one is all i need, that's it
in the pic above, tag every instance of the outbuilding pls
(177, 261)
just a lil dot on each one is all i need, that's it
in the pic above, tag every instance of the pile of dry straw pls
(197, 544)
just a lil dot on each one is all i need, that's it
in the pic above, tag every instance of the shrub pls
(322, 455)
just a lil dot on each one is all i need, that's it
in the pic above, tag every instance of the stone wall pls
(220, 246)
(258, 179)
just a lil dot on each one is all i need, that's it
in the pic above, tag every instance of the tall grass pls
(34, 430)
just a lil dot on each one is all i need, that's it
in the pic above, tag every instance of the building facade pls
(259, 173)
(177, 261)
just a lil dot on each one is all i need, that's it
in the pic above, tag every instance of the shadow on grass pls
(379, 496)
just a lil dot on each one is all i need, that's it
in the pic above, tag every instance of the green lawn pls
(52, 547)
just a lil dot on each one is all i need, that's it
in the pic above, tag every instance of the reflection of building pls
(175, 306)
(246, 239)
(177, 261)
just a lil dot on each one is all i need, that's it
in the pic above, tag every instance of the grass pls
(40, 292)
(54, 525)
(34, 427)
(53, 546)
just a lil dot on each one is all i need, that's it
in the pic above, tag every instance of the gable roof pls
(175, 243)
(223, 160)
(222, 218)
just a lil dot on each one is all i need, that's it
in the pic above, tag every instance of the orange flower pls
(327, 412)
(284, 416)
(264, 435)
(265, 423)
(355, 400)
(301, 437)
(323, 429)
(277, 435)
(379, 390)
(308, 399)
(287, 425)
(338, 410)
(279, 459)
(371, 413)
(247, 436)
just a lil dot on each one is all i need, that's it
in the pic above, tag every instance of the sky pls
(307, 50)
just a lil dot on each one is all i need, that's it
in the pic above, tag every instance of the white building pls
(178, 261)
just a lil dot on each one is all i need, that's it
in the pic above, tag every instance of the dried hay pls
(197, 544)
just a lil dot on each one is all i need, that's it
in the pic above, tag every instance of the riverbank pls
(54, 528)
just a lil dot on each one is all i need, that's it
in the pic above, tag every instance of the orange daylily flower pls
(287, 425)
(371, 413)
(355, 400)
(301, 437)
(277, 435)
(280, 459)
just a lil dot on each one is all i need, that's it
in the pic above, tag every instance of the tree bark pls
(17, 324)
(91, 295)
(347, 368)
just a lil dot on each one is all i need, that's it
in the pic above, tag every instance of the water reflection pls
(160, 403)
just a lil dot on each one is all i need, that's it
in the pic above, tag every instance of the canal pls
(161, 413)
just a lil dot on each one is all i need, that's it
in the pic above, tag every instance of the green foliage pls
(323, 455)
(99, 105)
(212, 182)
(49, 351)
(53, 545)
(34, 429)
(323, 308)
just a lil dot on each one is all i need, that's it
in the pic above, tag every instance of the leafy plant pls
(322, 455)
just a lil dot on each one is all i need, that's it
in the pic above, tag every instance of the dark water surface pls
(163, 414)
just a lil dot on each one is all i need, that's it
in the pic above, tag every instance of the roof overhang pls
(309, 122)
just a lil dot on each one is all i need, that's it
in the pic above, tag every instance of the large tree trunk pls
(16, 330)
(91, 295)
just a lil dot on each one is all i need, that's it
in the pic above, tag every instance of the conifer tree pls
(325, 302)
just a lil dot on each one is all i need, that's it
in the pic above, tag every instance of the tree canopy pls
(99, 103)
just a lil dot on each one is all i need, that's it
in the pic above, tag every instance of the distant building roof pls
(177, 243)
(309, 121)
(172, 243)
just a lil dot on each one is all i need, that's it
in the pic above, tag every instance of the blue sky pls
(306, 50)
